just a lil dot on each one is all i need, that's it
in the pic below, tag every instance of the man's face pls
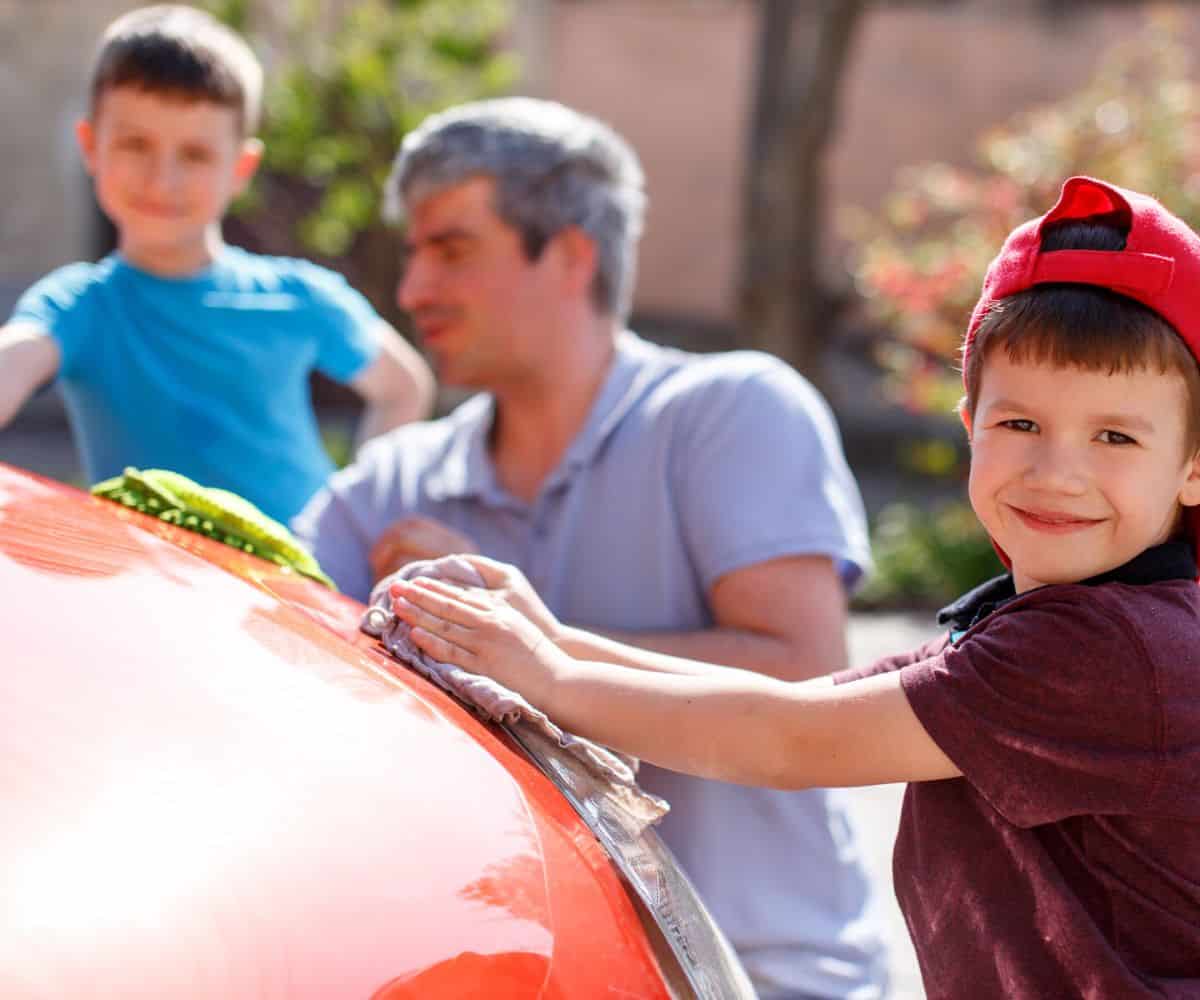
(1074, 473)
(165, 171)
(481, 306)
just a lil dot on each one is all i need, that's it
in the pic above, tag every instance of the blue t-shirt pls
(206, 374)
(687, 468)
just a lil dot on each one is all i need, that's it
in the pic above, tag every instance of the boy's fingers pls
(444, 604)
(462, 593)
(432, 622)
(494, 573)
(442, 649)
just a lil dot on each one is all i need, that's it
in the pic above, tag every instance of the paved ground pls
(876, 809)
(38, 440)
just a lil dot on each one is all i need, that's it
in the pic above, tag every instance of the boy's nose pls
(162, 174)
(1058, 468)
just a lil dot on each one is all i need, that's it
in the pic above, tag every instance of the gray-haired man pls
(698, 506)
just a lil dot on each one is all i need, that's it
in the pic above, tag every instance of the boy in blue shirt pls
(1050, 839)
(178, 351)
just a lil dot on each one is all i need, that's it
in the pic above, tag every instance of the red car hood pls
(217, 787)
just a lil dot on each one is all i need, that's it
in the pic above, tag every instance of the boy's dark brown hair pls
(1083, 326)
(179, 52)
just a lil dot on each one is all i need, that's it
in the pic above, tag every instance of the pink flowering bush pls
(920, 262)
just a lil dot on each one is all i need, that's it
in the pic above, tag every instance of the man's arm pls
(29, 357)
(785, 617)
(398, 386)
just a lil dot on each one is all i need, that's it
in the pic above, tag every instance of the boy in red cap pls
(1050, 840)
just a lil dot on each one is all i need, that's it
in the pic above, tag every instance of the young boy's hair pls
(183, 53)
(1083, 326)
(1107, 280)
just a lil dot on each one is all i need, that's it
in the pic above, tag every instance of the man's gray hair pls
(553, 168)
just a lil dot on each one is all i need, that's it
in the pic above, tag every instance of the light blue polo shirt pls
(687, 468)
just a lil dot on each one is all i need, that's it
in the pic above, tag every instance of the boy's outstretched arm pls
(29, 357)
(398, 386)
(715, 722)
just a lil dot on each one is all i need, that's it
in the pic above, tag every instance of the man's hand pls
(413, 538)
(479, 631)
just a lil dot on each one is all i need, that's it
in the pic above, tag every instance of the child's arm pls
(29, 357)
(398, 386)
(716, 722)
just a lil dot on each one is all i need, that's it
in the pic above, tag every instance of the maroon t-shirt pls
(1066, 860)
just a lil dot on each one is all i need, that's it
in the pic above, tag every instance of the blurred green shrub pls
(345, 81)
(926, 558)
(920, 262)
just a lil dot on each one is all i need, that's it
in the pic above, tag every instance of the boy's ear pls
(964, 416)
(1189, 495)
(247, 163)
(85, 136)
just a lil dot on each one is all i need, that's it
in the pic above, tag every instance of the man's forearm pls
(677, 652)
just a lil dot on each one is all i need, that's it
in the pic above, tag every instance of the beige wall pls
(675, 77)
(45, 49)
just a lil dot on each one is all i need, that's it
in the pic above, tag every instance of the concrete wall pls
(675, 76)
(45, 52)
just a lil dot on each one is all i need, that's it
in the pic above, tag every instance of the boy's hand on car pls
(480, 631)
(413, 538)
(516, 590)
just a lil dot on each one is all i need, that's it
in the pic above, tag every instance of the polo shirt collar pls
(465, 470)
(1172, 560)
(626, 382)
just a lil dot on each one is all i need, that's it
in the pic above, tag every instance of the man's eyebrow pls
(440, 236)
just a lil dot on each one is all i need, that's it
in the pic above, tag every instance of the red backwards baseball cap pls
(1159, 267)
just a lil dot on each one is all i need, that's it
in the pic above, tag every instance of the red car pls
(213, 785)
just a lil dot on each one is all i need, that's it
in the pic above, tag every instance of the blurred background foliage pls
(345, 81)
(919, 264)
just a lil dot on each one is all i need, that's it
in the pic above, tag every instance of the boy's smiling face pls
(1075, 472)
(165, 170)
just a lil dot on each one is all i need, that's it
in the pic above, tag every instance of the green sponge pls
(219, 514)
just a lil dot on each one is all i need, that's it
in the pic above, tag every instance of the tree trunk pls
(802, 50)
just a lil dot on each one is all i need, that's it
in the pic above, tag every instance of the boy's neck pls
(176, 261)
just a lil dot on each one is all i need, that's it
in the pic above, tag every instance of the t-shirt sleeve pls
(1049, 710)
(55, 305)
(889, 664)
(760, 473)
(345, 323)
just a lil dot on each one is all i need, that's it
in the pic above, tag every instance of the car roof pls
(214, 785)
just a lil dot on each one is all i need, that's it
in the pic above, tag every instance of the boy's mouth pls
(1053, 522)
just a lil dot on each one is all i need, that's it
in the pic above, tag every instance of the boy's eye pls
(133, 143)
(1115, 437)
(196, 154)
(1019, 424)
